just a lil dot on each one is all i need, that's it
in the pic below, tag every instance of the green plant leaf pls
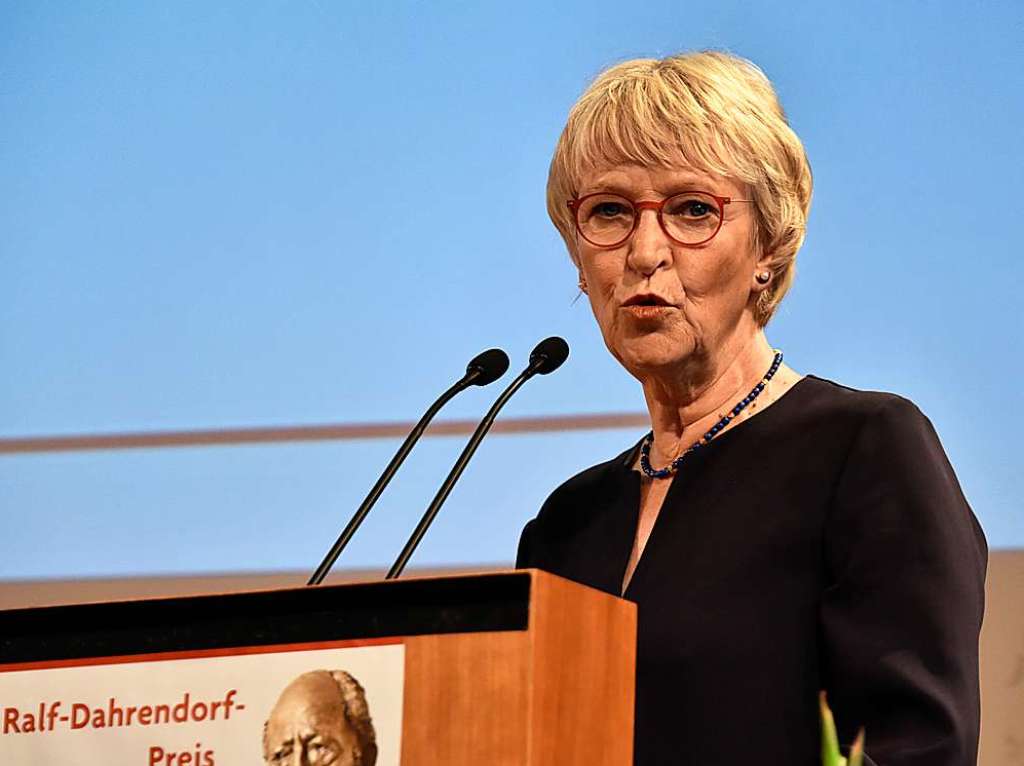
(857, 751)
(830, 755)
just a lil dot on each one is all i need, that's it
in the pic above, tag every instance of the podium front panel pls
(500, 668)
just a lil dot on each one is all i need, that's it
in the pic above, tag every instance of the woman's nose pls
(650, 248)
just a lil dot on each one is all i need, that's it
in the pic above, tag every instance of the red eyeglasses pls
(689, 218)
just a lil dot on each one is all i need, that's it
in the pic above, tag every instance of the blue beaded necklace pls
(664, 473)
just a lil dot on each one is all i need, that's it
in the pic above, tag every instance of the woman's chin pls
(650, 353)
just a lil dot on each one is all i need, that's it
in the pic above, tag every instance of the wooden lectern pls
(520, 668)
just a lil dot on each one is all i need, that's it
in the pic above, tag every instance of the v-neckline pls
(699, 455)
(634, 526)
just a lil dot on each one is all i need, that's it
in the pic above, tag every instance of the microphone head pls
(488, 365)
(549, 354)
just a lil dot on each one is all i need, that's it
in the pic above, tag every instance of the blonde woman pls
(780, 533)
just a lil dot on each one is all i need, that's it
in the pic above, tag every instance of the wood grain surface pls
(584, 671)
(558, 693)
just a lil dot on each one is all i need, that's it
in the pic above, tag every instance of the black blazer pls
(823, 544)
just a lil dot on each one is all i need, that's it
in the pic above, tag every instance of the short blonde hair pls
(713, 111)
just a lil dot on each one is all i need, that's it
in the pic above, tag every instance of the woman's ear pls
(762, 288)
(583, 283)
(763, 274)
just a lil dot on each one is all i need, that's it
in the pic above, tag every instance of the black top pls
(823, 544)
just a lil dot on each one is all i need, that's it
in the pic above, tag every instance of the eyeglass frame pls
(657, 207)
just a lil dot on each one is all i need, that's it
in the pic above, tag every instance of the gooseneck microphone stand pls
(483, 369)
(546, 357)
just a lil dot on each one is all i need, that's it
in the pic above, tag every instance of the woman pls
(780, 533)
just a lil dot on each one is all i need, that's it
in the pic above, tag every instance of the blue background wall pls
(258, 213)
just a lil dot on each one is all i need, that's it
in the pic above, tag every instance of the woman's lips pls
(646, 306)
(646, 311)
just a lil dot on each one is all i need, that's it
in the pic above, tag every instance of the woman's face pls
(658, 303)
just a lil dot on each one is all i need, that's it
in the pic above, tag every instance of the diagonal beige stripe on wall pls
(324, 432)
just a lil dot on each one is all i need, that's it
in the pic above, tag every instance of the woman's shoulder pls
(827, 406)
(893, 471)
(839, 398)
(582, 514)
(596, 481)
(835, 428)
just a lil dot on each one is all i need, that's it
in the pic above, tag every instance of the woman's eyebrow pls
(602, 185)
(690, 183)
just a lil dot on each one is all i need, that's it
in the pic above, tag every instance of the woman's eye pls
(609, 210)
(692, 208)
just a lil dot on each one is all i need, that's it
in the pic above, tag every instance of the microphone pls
(486, 367)
(545, 358)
